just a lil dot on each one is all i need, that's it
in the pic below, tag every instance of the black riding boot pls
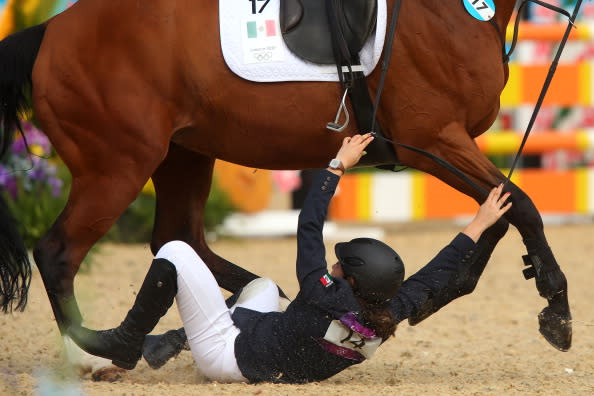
(159, 348)
(123, 345)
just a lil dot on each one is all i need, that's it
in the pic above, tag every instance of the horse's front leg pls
(555, 319)
(456, 146)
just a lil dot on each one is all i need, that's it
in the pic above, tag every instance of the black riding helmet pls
(377, 269)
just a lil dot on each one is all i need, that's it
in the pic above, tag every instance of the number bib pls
(340, 336)
(483, 10)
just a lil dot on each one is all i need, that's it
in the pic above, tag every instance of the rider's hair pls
(379, 318)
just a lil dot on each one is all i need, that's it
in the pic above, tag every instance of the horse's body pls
(132, 89)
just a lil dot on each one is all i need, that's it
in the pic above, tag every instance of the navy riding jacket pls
(320, 334)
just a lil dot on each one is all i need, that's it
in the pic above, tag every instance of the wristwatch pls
(336, 164)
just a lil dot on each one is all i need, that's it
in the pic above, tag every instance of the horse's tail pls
(17, 57)
(15, 268)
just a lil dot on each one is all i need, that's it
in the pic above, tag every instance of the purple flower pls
(37, 175)
(29, 169)
(34, 137)
(6, 177)
(10, 185)
(18, 147)
(56, 186)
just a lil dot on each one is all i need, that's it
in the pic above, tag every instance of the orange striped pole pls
(549, 32)
(413, 195)
(508, 142)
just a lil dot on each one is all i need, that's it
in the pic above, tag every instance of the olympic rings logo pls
(263, 56)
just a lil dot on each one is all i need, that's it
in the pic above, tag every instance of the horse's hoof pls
(555, 328)
(108, 374)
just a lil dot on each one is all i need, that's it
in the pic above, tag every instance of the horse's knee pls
(523, 213)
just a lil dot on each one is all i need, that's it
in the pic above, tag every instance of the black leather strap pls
(380, 151)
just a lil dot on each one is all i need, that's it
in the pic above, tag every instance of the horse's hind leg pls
(455, 145)
(182, 184)
(95, 202)
(104, 184)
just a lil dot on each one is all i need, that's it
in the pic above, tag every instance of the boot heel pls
(124, 365)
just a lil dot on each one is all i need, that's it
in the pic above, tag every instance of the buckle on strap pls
(533, 265)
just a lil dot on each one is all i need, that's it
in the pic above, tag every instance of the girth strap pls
(380, 151)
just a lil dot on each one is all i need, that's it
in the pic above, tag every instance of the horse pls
(125, 93)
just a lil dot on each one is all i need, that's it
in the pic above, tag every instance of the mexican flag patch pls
(326, 280)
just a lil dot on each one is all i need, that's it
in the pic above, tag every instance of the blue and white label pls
(483, 10)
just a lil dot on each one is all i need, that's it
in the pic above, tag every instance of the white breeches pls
(206, 318)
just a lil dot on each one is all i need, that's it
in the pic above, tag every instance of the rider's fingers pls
(493, 194)
(361, 138)
(496, 192)
(368, 139)
(503, 198)
(505, 208)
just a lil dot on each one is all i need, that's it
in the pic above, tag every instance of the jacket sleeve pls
(311, 253)
(431, 280)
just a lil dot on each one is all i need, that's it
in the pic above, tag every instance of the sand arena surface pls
(483, 344)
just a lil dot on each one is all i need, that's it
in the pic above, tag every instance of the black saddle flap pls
(291, 12)
(306, 32)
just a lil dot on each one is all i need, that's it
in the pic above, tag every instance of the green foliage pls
(32, 181)
(26, 15)
(35, 210)
(136, 224)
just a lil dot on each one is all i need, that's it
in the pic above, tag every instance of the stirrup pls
(335, 126)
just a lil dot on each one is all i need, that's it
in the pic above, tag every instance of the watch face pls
(335, 163)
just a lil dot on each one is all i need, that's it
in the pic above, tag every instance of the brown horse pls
(126, 92)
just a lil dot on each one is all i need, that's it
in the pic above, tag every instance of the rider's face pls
(336, 271)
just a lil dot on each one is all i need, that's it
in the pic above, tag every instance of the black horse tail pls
(17, 57)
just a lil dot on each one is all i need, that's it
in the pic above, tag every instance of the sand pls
(486, 343)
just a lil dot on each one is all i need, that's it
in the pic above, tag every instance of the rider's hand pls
(352, 149)
(490, 211)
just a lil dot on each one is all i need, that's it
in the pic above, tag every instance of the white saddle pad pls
(254, 49)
